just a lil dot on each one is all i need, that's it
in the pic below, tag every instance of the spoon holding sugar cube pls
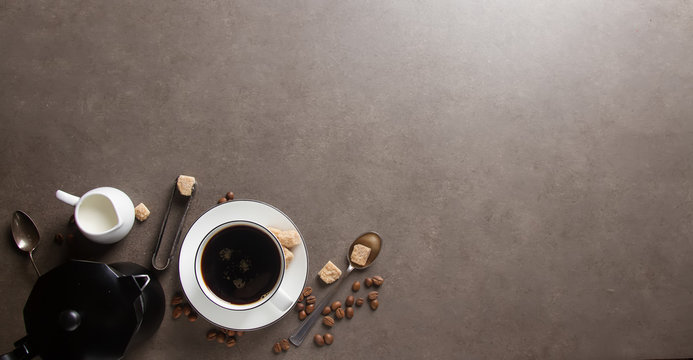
(361, 255)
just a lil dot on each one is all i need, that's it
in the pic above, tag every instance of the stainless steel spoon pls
(370, 239)
(25, 234)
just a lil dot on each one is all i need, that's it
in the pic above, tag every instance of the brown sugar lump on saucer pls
(141, 212)
(185, 185)
(288, 256)
(330, 273)
(288, 238)
(359, 255)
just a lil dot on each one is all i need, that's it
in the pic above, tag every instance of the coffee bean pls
(176, 300)
(177, 311)
(187, 309)
(277, 348)
(212, 334)
(307, 291)
(339, 313)
(356, 286)
(302, 315)
(300, 306)
(192, 317)
(300, 298)
(378, 280)
(359, 302)
(285, 344)
(335, 305)
(311, 299)
(328, 321)
(240, 333)
(229, 195)
(230, 341)
(327, 310)
(319, 340)
(349, 312)
(59, 238)
(329, 339)
(349, 301)
(374, 304)
(373, 295)
(221, 200)
(221, 337)
(230, 332)
(310, 308)
(368, 282)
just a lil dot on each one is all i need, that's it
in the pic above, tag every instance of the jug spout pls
(66, 198)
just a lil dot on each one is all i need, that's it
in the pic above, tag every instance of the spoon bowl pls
(370, 239)
(25, 234)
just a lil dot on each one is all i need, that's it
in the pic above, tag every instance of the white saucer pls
(250, 319)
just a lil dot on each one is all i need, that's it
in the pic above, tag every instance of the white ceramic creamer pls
(104, 215)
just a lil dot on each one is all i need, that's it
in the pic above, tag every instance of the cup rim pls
(210, 294)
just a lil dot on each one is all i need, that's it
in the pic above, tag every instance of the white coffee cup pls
(104, 215)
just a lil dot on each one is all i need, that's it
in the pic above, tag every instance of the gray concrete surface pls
(527, 162)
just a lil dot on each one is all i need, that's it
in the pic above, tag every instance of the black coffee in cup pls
(241, 264)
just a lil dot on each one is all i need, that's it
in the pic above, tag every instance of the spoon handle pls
(31, 256)
(302, 330)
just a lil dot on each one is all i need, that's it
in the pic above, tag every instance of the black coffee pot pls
(89, 310)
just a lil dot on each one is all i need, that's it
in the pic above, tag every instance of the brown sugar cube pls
(288, 255)
(185, 185)
(359, 255)
(288, 238)
(330, 273)
(141, 212)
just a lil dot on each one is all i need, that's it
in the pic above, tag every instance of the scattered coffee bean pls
(302, 315)
(335, 305)
(374, 304)
(277, 348)
(328, 321)
(240, 333)
(319, 340)
(192, 317)
(356, 286)
(229, 195)
(327, 310)
(378, 280)
(187, 309)
(311, 299)
(221, 200)
(349, 301)
(329, 339)
(212, 334)
(300, 306)
(230, 332)
(177, 311)
(176, 300)
(59, 238)
(285, 344)
(368, 282)
(221, 337)
(300, 298)
(230, 341)
(307, 291)
(310, 308)
(349, 312)
(339, 313)
(359, 302)
(373, 295)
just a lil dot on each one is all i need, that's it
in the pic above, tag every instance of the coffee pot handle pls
(21, 351)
